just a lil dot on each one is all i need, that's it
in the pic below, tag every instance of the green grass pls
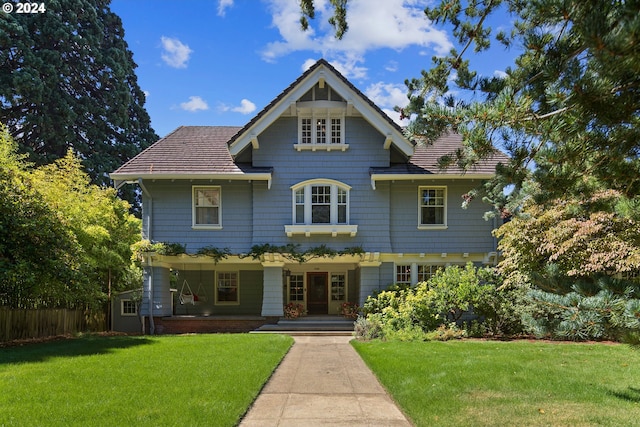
(476, 383)
(207, 380)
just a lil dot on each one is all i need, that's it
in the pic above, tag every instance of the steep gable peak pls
(321, 88)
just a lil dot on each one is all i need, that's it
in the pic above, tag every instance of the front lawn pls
(207, 380)
(484, 383)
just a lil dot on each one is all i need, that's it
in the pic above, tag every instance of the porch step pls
(328, 325)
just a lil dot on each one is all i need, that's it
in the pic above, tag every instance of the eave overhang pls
(121, 179)
(376, 177)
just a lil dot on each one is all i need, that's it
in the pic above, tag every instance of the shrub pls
(446, 333)
(428, 310)
(367, 328)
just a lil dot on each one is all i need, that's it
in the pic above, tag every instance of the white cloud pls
(388, 96)
(373, 24)
(391, 66)
(500, 74)
(194, 104)
(174, 52)
(245, 107)
(223, 5)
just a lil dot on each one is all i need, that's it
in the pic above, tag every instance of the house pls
(319, 171)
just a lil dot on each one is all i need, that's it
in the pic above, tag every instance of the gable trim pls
(322, 71)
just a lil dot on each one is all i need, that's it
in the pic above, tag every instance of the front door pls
(317, 295)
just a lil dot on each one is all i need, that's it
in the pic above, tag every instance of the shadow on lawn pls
(631, 394)
(73, 347)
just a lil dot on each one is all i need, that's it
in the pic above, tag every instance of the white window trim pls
(309, 228)
(327, 114)
(122, 313)
(217, 226)
(413, 266)
(443, 226)
(215, 289)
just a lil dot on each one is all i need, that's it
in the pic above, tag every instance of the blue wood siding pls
(172, 215)
(466, 231)
(252, 214)
(369, 209)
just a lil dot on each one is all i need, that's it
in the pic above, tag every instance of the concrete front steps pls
(310, 325)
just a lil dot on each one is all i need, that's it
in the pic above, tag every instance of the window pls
(336, 134)
(321, 202)
(433, 207)
(296, 287)
(305, 131)
(206, 207)
(426, 272)
(128, 308)
(320, 206)
(403, 274)
(338, 287)
(316, 130)
(227, 288)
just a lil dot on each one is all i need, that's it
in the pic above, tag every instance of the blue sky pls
(219, 62)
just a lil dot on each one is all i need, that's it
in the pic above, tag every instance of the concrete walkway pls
(322, 381)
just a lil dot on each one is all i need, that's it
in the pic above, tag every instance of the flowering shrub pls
(293, 310)
(350, 309)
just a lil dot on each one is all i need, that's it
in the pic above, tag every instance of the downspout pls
(152, 327)
(149, 221)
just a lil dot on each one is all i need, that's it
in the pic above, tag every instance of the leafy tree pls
(37, 252)
(578, 260)
(67, 81)
(63, 241)
(99, 220)
(579, 239)
(338, 21)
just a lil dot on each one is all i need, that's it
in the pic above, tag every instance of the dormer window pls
(321, 130)
(321, 117)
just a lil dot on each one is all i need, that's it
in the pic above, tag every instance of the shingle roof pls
(199, 150)
(425, 160)
(189, 150)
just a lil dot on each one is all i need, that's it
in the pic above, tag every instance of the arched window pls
(322, 205)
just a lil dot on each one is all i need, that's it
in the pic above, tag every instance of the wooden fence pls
(18, 324)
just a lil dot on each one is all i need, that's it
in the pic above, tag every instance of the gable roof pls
(190, 152)
(425, 162)
(324, 71)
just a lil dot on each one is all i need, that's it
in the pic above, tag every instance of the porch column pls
(272, 301)
(369, 279)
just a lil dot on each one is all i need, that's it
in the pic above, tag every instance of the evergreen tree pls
(67, 81)
(567, 112)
